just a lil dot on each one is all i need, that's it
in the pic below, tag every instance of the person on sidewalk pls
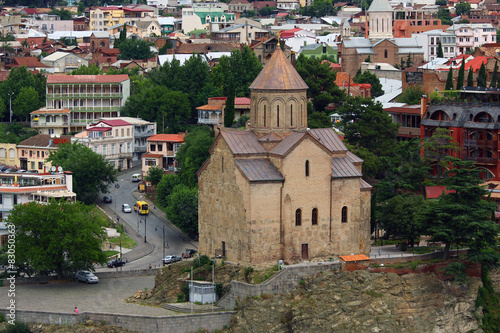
(76, 310)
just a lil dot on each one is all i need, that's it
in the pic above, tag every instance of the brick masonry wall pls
(146, 324)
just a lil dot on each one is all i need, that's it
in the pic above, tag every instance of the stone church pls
(279, 190)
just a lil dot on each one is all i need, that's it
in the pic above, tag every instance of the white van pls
(136, 177)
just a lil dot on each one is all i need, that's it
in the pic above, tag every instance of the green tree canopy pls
(321, 82)
(165, 188)
(170, 109)
(482, 76)
(192, 154)
(366, 124)
(372, 79)
(182, 209)
(267, 11)
(84, 70)
(440, 50)
(470, 78)
(229, 109)
(92, 173)
(25, 102)
(154, 175)
(319, 8)
(461, 76)
(449, 80)
(59, 236)
(398, 216)
(494, 76)
(444, 15)
(318, 120)
(462, 8)
(135, 49)
(461, 217)
(436, 148)
(411, 95)
(64, 14)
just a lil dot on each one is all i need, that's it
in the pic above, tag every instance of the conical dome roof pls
(278, 74)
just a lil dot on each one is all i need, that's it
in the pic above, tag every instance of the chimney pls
(423, 104)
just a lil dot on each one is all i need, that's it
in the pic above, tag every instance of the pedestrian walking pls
(76, 310)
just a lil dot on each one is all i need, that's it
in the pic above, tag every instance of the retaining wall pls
(147, 324)
(113, 273)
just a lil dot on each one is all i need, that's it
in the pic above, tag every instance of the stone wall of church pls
(380, 25)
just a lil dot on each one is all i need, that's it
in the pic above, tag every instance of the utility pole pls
(10, 106)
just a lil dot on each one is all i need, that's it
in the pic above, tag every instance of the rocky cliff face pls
(364, 302)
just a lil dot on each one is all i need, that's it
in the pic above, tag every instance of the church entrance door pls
(305, 251)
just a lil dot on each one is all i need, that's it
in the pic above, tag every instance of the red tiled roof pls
(433, 192)
(99, 129)
(107, 50)
(26, 61)
(107, 59)
(209, 107)
(281, 14)
(476, 63)
(115, 122)
(242, 101)
(45, 111)
(152, 155)
(343, 78)
(289, 33)
(354, 257)
(52, 79)
(332, 65)
(176, 138)
(44, 141)
(31, 11)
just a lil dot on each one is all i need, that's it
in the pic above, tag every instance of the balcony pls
(221, 38)
(208, 121)
(77, 95)
(141, 149)
(482, 160)
(49, 124)
(99, 108)
(118, 155)
(480, 143)
(145, 134)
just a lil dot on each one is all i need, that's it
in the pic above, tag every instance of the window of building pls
(160, 147)
(123, 132)
(40, 165)
(432, 40)
(112, 149)
(344, 214)
(314, 216)
(278, 116)
(104, 149)
(51, 131)
(14, 199)
(385, 53)
(152, 147)
(264, 116)
(298, 217)
(222, 164)
(32, 165)
(307, 168)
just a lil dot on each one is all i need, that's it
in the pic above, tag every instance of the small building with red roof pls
(161, 152)
(213, 112)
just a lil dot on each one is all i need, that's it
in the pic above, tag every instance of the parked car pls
(171, 259)
(188, 253)
(116, 263)
(86, 276)
(136, 177)
(107, 199)
(126, 208)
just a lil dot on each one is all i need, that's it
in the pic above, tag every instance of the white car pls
(86, 276)
(171, 259)
(126, 208)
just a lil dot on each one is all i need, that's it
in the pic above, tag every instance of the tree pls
(470, 78)
(461, 217)
(25, 102)
(92, 173)
(135, 49)
(154, 175)
(398, 216)
(449, 80)
(68, 41)
(15, 133)
(229, 109)
(412, 95)
(461, 75)
(482, 76)
(61, 236)
(440, 53)
(318, 120)
(494, 76)
(372, 79)
(84, 70)
(462, 8)
(170, 109)
(168, 45)
(165, 187)
(182, 209)
(444, 15)
(266, 11)
(64, 14)
(320, 79)
(122, 37)
(366, 124)
(192, 154)
(437, 147)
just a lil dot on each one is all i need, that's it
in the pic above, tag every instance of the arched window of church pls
(264, 116)
(344, 214)
(278, 116)
(298, 217)
(314, 217)
(307, 168)
(222, 164)
(300, 114)
(291, 115)
(385, 53)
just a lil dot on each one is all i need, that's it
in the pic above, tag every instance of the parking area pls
(107, 296)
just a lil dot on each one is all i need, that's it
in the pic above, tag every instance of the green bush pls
(248, 270)
(489, 300)
(18, 327)
(2, 317)
(456, 269)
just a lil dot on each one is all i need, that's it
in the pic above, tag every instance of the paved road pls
(175, 242)
(106, 296)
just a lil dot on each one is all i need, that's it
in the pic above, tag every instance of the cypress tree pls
(494, 76)
(229, 109)
(461, 75)
(481, 77)
(449, 80)
(470, 78)
(440, 53)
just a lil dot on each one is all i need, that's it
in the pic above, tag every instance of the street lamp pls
(163, 229)
(10, 105)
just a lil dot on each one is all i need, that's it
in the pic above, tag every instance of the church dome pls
(278, 74)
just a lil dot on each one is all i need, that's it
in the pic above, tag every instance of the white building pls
(470, 36)
(429, 40)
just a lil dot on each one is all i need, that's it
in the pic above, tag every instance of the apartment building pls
(470, 36)
(196, 18)
(162, 150)
(73, 101)
(429, 40)
(20, 188)
(122, 141)
(103, 17)
(33, 152)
